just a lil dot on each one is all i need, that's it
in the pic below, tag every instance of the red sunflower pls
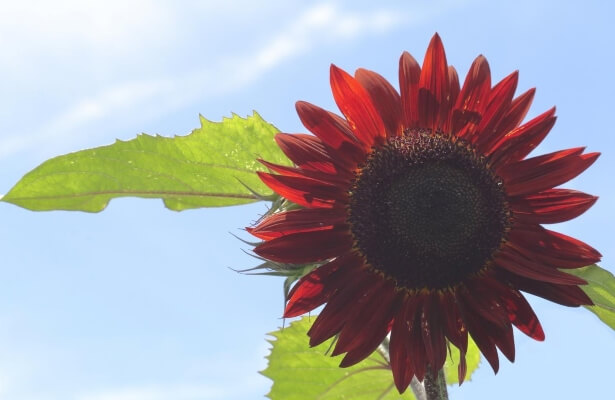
(426, 215)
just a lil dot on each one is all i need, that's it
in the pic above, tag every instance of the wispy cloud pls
(323, 23)
(114, 100)
(318, 25)
(105, 27)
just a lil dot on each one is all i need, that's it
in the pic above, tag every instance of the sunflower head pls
(425, 215)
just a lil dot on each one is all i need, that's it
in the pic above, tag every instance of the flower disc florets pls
(426, 211)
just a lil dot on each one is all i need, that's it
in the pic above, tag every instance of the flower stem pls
(435, 386)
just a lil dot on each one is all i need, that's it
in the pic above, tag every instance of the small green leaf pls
(601, 289)
(301, 372)
(212, 166)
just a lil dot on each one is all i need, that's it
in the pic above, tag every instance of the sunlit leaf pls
(212, 166)
(601, 289)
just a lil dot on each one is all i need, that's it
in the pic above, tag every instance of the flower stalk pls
(435, 386)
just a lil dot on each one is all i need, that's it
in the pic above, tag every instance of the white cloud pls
(320, 24)
(114, 100)
(323, 23)
(105, 26)
(110, 27)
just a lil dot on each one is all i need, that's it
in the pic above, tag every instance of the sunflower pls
(425, 215)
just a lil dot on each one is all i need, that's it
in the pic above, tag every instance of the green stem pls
(435, 385)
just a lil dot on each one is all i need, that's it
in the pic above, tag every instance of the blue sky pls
(138, 302)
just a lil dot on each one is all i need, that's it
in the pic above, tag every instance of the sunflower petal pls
(358, 317)
(521, 314)
(295, 221)
(342, 268)
(434, 106)
(310, 153)
(521, 141)
(500, 99)
(566, 295)
(510, 120)
(479, 335)
(306, 247)
(454, 328)
(505, 341)
(462, 368)
(385, 98)
(333, 130)
(416, 345)
(309, 292)
(398, 350)
(479, 297)
(551, 206)
(306, 192)
(335, 314)
(433, 333)
(332, 179)
(472, 99)
(544, 172)
(516, 263)
(366, 336)
(552, 248)
(356, 104)
(409, 76)
(453, 93)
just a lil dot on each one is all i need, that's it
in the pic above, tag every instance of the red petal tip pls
(435, 44)
(300, 105)
(334, 69)
(481, 60)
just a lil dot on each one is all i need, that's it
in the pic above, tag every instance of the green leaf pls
(601, 289)
(301, 372)
(212, 166)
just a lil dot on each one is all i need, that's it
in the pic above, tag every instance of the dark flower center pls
(427, 211)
